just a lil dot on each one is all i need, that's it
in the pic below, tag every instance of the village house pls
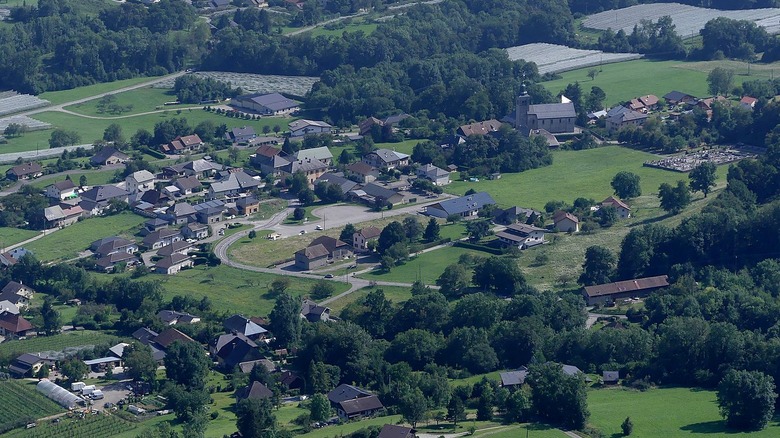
(254, 391)
(521, 236)
(395, 431)
(200, 169)
(273, 104)
(313, 312)
(95, 200)
(465, 206)
(239, 324)
(311, 257)
(637, 288)
(516, 214)
(230, 350)
(372, 192)
(346, 185)
(112, 245)
(678, 97)
(247, 205)
(173, 263)
(244, 134)
(322, 154)
(366, 126)
(566, 222)
(28, 365)
(109, 263)
(187, 185)
(625, 118)
(195, 231)
(160, 238)
(513, 380)
(271, 160)
(13, 326)
(362, 236)
(62, 190)
(180, 247)
(644, 103)
(302, 127)
(386, 159)
(179, 214)
(182, 144)
(555, 118)
(12, 257)
(108, 156)
(9, 307)
(17, 294)
(172, 317)
(58, 217)
(352, 402)
(438, 176)
(748, 103)
(24, 171)
(479, 128)
(140, 181)
(363, 172)
(312, 168)
(209, 212)
(622, 209)
(154, 198)
(337, 249)
(233, 186)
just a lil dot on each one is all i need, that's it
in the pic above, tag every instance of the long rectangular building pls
(640, 287)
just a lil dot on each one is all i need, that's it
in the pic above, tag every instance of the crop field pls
(21, 403)
(553, 58)
(231, 288)
(90, 426)
(687, 19)
(11, 349)
(67, 243)
(11, 102)
(664, 412)
(254, 83)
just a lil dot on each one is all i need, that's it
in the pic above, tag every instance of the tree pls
(347, 232)
(74, 369)
(254, 418)
(557, 397)
(297, 182)
(747, 399)
(14, 130)
(703, 177)
(592, 73)
(319, 406)
(113, 133)
(674, 199)
(500, 275)
(518, 406)
(456, 410)
(306, 196)
(599, 266)
(299, 213)
(51, 317)
(478, 229)
(720, 80)
(454, 280)
(322, 289)
(627, 426)
(393, 233)
(186, 365)
(252, 234)
(413, 406)
(286, 321)
(139, 363)
(485, 404)
(432, 230)
(412, 228)
(451, 219)
(607, 215)
(62, 137)
(626, 185)
(82, 180)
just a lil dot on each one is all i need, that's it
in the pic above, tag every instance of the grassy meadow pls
(63, 96)
(426, 267)
(395, 294)
(67, 243)
(664, 412)
(142, 100)
(621, 81)
(11, 236)
(11, 349)
(355, 25)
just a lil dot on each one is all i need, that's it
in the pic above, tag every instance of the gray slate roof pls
(466, 203)
(552, 110)
(272, 101)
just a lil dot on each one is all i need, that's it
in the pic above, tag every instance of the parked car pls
(329, 276)
(318, 227)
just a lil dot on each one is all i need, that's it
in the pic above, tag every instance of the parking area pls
(113, 393)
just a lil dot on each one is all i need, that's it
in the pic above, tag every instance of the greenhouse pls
(60, 395)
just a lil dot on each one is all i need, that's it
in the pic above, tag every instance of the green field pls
(395, 294)
(89, 426)
(233, 289)
(67, 243)
(11, 236)
(665, 412)
(64, 96)
(20, 402)
(11, 349)
(355, 26)
(624, 81)
(142, 100)
(426, 267)
(573, 174)
(94, 177)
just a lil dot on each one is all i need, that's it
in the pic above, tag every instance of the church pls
(555, 118)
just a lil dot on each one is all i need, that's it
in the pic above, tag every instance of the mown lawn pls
(573, 174)
(664, 412)
(94, 177)
(624, 81)
(395, 294)
(141, 99)
(64, 96)
(232, 289)
(426, 267)
(11, 236)
(67, 243)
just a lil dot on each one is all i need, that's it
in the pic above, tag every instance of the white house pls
(623, 210)
(62, 190)
(566, 222)
(140, 181)
(437, 175)
(361, 237)
(521, 236)
(301, 127)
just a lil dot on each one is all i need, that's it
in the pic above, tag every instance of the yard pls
(573, 174)
(68, 242)
(232, 289)
(426, 267)
(395, 294)
(663, 412)
(624, 81)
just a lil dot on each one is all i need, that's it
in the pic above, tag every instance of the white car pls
(318, 227)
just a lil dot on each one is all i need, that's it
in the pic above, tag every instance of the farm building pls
(24, 171)
(273, 104)
(640, 287)
(60, 395)
(521, 236)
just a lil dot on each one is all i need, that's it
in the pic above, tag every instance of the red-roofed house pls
(748, 102)
(182, 144)
(623, 210)
(566, 222)
(13, 326)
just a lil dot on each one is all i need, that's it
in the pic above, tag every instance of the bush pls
(299, 213)
(252, 234)
(627, 426)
